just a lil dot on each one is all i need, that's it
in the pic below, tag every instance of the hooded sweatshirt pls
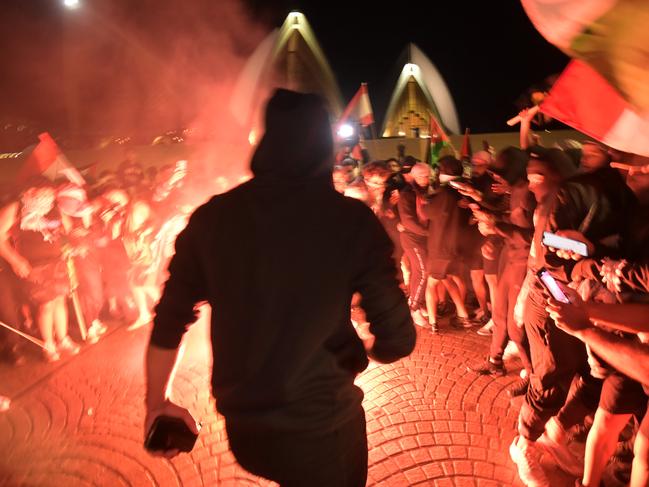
(278, 259)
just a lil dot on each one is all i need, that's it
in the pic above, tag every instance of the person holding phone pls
(279, 258)
(594, 204)
(628, 279)
(630, 356)
(545, 172)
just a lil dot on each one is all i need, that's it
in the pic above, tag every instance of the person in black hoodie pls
(279, 258)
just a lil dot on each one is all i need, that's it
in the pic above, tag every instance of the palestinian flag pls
(611, 36)
(46, 159)
(438, 139)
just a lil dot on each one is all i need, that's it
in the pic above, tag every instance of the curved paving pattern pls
(429, 421)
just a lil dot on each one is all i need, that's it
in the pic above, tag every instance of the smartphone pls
(169, 433)
(460, 185)
(552, 286)
(557, 242)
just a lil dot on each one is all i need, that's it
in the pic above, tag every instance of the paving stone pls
(80, 422)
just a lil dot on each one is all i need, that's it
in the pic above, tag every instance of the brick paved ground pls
(79, 422)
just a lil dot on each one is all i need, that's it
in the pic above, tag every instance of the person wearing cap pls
(414, 225)
(278, 258)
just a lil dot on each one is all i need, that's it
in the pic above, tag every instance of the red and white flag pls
(359, 108)
(611, 36)
(46, 159)
(584, 100)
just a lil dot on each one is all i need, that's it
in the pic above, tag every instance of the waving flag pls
(359, 108)
(611, 36)
(46, 159)
(438, 139)
(583, 99)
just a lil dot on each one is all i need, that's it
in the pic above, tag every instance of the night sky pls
(488, 52)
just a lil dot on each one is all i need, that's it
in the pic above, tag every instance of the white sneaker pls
(140, 322)
(50, 353)
(526, 459)
(99, 327)
(486, 330)
(67, 345)
(96, 330)
(511, 350)
(562, 456)
(419, 319)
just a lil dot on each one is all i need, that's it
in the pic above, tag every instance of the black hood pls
(298, 143)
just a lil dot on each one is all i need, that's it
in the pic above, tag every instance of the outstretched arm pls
(628, 356)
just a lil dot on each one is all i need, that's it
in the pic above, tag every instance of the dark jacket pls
(596, 204)
(450, 234)
(517, 226)
(278, 259)
(411, 199)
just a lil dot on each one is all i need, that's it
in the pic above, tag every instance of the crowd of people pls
(468, 240)
(104, 244)
(481, 226)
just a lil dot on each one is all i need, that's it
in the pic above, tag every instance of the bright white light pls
(72, 4)
(345, 131)
(411, 68)
(296, 18)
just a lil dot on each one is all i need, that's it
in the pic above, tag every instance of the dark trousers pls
(335, 459)
(556, 359)
(414, 248)
(510, 281)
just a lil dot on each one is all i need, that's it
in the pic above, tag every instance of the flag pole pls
(30, 338)
(74, 294)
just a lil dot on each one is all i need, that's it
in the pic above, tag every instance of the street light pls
(71, 4)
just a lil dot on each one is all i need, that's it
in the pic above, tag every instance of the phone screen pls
(552, 286)
(563, 243)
